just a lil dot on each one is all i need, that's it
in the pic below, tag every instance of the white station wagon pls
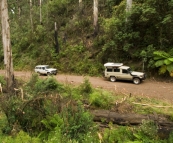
(45, 69)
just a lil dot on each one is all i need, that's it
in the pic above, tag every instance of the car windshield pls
(47, 67)
(129, 70)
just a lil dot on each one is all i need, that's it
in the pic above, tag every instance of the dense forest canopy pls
(61, 33)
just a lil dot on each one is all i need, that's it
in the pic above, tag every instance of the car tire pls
(136, 80)
(49, 74)
(112, 78)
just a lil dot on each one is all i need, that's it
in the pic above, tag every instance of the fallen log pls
(129, 118)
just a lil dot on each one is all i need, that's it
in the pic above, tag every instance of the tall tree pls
(128, 5)
(95, 13)
(40, 12)
(31, 21)
(80, 6)
(8, 62)
(56, 39)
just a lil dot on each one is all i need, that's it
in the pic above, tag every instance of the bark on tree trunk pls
(40, 12)
(95, 13)
(128, 5)
(165, 127)
(56, 39)
(129, 118)
(80, 7)
(31, 15)
(8, 62)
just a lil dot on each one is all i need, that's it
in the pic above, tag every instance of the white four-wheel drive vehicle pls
(45, 69)
(117, 71)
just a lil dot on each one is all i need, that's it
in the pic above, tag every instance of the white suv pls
(117, 71)
(45, 69)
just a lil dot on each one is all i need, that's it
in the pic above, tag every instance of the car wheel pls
(112, 78)
(49, 74)
(136, 80)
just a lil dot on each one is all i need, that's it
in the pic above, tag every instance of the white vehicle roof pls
(124, 67)
(113, 64)
(42, 66)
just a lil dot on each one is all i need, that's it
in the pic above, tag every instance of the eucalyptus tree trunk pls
(40, 12)
(80, 3)
(95, 13)
(80, 7)
(31, 21)
(56, 39)
(18, 8)
(8, 62)
(128, 5)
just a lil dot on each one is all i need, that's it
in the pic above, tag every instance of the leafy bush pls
(2, 80)
(118, 134)
(164, 61)
(101, 99)
(86, 87)
(72, 124)
(147, 131)
(38, 85)
(21, 137)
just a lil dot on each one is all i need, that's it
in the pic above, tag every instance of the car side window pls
(116, 70)
(109, 70)
(124, 71)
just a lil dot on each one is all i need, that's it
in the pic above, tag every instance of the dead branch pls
(152, 105)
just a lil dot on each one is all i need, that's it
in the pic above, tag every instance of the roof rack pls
(113, 64)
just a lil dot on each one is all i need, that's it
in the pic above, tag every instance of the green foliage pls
(37, 85)
(123, 36)
(164, 61)
(118, 134)
(2, 80)
(61, 118)
(20, 138)
(10, 107)
(86, 87)
(101, 99)
(67, 125)
(147, 132)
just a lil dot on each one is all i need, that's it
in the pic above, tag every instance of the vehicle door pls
(125, 74)
(43, 69)
(117, 73)
(108, 72)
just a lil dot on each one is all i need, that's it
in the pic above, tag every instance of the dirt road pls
(148, 88)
